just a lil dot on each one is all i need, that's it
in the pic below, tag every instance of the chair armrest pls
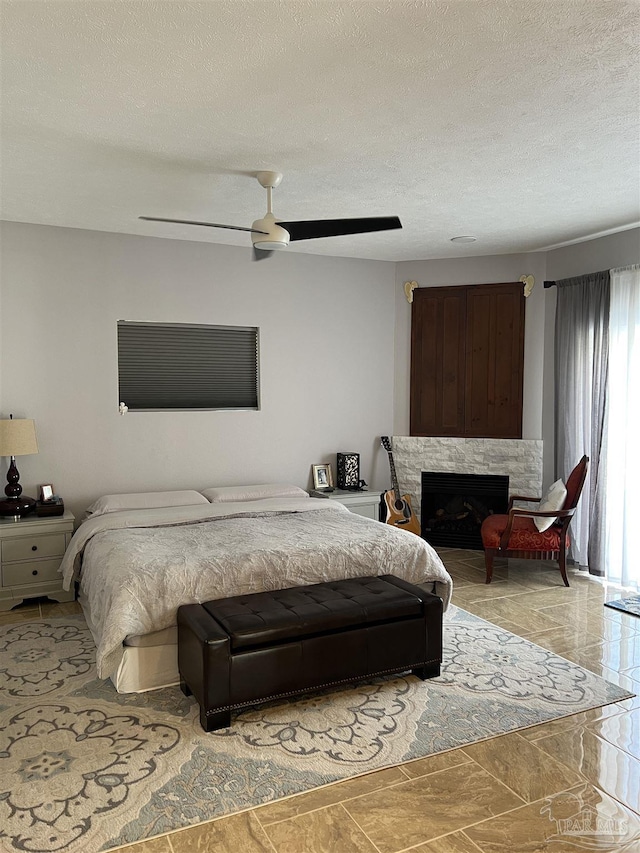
(513, 498)
(537, 513)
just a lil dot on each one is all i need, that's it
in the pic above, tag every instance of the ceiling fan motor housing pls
(275, 236)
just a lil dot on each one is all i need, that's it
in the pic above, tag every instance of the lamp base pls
(16, 507)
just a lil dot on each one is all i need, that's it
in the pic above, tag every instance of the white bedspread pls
(137, 567)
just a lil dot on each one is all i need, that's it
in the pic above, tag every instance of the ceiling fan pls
(269, 233)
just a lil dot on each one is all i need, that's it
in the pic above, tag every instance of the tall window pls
(621, 455)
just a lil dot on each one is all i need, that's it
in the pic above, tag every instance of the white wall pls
(327, 361)
(490, 269)
(605, 253)
(616, 250)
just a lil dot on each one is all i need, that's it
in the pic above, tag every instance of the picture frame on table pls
(46, 492)
(322, 477)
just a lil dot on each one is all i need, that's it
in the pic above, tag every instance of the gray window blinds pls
(183, 366)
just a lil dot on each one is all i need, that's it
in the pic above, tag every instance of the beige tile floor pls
(492, 796)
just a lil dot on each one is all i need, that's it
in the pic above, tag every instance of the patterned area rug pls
(628, 605)
(85, 769)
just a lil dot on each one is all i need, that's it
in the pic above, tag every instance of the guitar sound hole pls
(399, 505)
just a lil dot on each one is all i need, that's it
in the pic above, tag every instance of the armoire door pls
(494, 361)
(438, 325)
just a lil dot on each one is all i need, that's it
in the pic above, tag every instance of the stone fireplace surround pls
(520, 459)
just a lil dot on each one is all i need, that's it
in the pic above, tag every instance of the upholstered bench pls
(239, 651)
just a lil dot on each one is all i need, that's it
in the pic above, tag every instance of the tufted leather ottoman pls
(235, 652)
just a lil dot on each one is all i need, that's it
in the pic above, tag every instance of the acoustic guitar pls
(396, 508)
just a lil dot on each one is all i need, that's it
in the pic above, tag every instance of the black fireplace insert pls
(453, 506)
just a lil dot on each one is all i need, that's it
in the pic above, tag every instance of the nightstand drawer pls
(36, 571)
(31, 547)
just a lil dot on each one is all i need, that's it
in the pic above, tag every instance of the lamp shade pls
(18, 437)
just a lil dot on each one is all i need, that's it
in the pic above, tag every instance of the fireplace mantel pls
(520, 459)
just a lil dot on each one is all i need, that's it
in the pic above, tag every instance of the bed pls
(135, 566)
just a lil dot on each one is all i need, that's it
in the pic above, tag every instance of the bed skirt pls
(145, 668)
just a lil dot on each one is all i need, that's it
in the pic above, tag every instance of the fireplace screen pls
(453, 506)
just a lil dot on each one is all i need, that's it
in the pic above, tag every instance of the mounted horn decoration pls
(528, 281)
(409, 287)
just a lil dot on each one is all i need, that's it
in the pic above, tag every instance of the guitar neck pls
(394, 478)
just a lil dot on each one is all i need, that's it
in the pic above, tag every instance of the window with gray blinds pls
(180, 366)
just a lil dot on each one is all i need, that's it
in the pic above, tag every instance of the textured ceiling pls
(515, 121)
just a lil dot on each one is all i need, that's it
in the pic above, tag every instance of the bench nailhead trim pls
(212, 711)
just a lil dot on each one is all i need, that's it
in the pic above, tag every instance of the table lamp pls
(17, 438)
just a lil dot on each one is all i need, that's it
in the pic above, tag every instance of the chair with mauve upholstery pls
(516, 535)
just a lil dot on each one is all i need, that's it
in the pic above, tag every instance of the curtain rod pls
(575, 278)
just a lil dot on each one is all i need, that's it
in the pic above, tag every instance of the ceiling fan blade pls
(312, 228)
(206, 224)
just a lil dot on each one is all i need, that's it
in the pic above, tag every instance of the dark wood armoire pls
(467, 360)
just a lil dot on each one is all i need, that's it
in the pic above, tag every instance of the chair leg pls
(489, 554)
(562, 561)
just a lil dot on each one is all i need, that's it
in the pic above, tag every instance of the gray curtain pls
(581, 357)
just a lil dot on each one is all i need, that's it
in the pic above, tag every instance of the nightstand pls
(361, 503)
(31, 550)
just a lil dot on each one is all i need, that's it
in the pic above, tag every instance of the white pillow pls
(144, 500)
(554, 499)
(230, 494)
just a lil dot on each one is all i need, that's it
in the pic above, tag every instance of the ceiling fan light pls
(269, 245)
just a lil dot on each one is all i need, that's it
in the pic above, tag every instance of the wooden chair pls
(515, 534)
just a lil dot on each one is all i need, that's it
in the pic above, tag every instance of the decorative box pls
(50, 508)
(348, 470)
